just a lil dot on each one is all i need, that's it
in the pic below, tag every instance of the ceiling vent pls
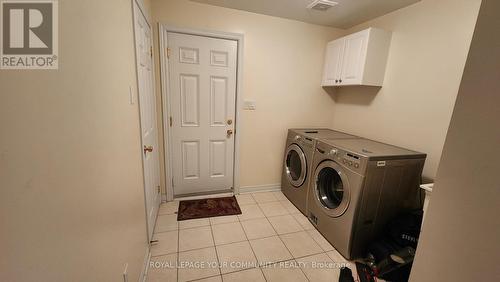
(321, 5)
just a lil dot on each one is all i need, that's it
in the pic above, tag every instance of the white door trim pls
(137, 12)
(164, 77)
(142, 8)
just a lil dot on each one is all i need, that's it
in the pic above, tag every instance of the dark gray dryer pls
(357, 186)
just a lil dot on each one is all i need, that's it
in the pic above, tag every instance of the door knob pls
(229, 133)
(148, 149)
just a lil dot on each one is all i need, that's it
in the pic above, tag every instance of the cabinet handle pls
(340, 80)
(336, 81)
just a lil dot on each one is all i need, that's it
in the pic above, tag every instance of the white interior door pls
(149, 133)
(202, 75)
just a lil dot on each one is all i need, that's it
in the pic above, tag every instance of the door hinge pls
(172, 182)
(168, 53)
(170, 121)
(151, 51)
(158, 188)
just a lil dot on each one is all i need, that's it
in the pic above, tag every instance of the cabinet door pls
(354, 58)
(333, 62)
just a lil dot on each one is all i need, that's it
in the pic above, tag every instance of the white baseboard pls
(260, 188)
(145, 265)
(217, 195)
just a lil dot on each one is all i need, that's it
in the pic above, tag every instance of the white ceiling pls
(346, 14)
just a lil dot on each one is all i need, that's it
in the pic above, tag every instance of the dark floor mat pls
(192, 209)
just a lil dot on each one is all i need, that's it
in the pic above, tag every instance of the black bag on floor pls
(391, 256)
(346, 275)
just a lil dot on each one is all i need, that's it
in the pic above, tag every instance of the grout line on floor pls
(178, 248)
(199, 279)
(248, 240)
(286, 246)
(216, 252)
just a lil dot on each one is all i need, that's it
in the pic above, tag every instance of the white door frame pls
(165, 94)
(138, 11)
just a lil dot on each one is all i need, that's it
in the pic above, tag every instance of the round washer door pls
(295, 165)
(332, 191)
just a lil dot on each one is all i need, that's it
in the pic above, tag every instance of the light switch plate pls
(249, 105)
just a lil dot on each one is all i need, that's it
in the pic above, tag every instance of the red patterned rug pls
(192, 209)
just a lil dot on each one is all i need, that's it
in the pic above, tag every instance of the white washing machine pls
(300, 145)
(357, 186)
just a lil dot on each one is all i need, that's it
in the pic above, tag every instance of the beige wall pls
(71, 190)
(429, 46)
(283, 61)
(460, 235)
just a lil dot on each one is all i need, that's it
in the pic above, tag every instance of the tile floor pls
(270, 241)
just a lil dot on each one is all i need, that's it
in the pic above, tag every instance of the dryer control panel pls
(304, 141)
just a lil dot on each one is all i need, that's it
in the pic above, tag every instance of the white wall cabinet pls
(357, 59)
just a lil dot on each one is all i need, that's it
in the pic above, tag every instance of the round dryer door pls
(332, 188)
(295, 165)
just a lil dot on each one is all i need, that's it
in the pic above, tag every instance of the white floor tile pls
(303, 221)
(250, 212)
(195, 238)
(223, 219)
(264, 197)
(269, 250)
(169, 208)
(300, 244)
(284, 272)
(319, 268)
(273, 209)
(228, 233)
(280, 196)
(322, 242)
(337, 257)
(245, 199)
(211, 279)
(258, 228)
(167, 243)
(252, 275)
(166, 223)
(190, 271)
(236, 256)
(285, 224)
(290, 207)
(340, 261)
(190, 223)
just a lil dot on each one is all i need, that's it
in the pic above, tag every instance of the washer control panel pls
(351, 160)
(347, 159)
